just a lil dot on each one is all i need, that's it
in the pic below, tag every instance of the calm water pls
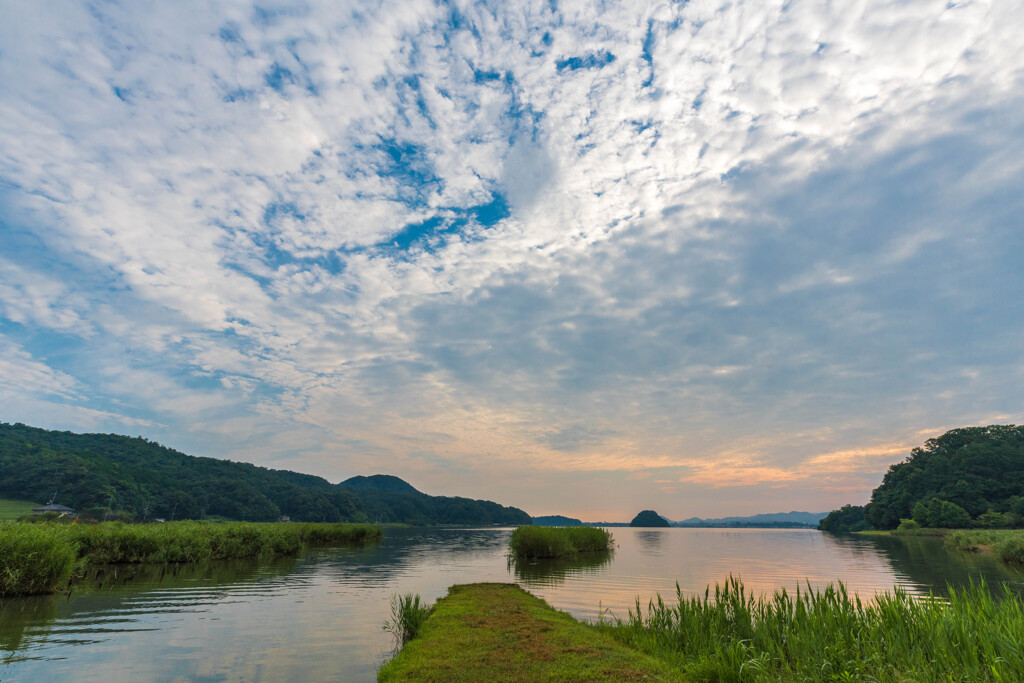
(319, 617)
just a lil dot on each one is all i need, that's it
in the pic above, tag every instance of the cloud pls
(474, 235)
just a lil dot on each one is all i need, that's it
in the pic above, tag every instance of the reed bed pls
(32, 561)
(827, 635)
(1008, 545)
(545, 542)
(42, 558)
(408, 614)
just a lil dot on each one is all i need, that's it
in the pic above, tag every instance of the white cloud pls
(729, 219)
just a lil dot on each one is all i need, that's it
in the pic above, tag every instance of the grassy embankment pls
(546, 542)
(1006, 544)
(44, 558)
(499, 632)
(13, 509)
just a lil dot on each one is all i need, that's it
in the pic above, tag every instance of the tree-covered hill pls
(973, 476)
(135, 477)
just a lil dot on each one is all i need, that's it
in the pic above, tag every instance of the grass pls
(407, 617)
(545, 542)
(34, 557)
(827, 635)
(13, 509)
(1007, 545)
(499, 632)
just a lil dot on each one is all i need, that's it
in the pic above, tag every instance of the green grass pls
(13, 509)
(499, 632)
(546, 542)
(1007, 545)
(408, 615)
(33, 557)
(827, 635)
(33, 561)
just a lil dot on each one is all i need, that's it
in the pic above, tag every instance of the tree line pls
(968, 477)
(113, 476)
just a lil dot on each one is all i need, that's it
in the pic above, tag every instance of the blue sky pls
(582, 258)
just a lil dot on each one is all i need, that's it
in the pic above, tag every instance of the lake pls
(319, 617)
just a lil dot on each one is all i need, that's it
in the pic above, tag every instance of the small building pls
(284, 518)
(61, 510)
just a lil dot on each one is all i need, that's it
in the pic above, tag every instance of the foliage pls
(499, 632)
(1008, 545)
(539, 542)
(34, 557)
(846, 519)
(908, 525)
(827, 635)
(941, 514)
(975, 468)
(111, 476)
(407, 617)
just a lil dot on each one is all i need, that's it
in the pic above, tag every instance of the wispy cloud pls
(463, 237)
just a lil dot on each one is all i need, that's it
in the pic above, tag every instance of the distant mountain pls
(556, 520)
(135, 477)
(776, 519)
(380, 482)
(649, 518)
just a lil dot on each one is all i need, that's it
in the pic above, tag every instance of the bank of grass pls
(827, 635)
(499, 632)
(1006, 544)
(13, 509)
(44, 558)
(546, 542)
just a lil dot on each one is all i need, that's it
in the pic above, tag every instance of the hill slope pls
(137, 477)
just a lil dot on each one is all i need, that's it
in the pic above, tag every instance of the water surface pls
(319, 617)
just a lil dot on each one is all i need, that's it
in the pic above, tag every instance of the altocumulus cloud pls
(753, 244)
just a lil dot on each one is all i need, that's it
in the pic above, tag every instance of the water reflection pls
(319, 617)
(650, 540)
(535, 573)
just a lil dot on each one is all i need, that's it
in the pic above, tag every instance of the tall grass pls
(1008, 545)
(827, 635)
(407, 616)
(33, 561)
(33, 557)
(543, 542)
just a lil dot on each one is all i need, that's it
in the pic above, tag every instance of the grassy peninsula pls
(45, 558)
(499, 632)
(545, 542)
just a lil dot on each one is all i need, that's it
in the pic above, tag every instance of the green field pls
(12, 509)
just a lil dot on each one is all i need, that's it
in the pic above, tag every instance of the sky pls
(583, 258)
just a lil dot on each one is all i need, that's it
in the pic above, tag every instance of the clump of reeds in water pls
(827, 635)
(408, 613)
(545, 542)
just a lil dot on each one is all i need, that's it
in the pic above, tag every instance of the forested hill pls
(136, 477)
(973, 476)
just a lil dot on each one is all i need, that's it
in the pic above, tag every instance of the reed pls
(545, 542)
(408, 614)
(33, 561)
(827, 635)
(33, 557)
(1007, 545)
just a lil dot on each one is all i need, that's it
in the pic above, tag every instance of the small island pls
(649, 518)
